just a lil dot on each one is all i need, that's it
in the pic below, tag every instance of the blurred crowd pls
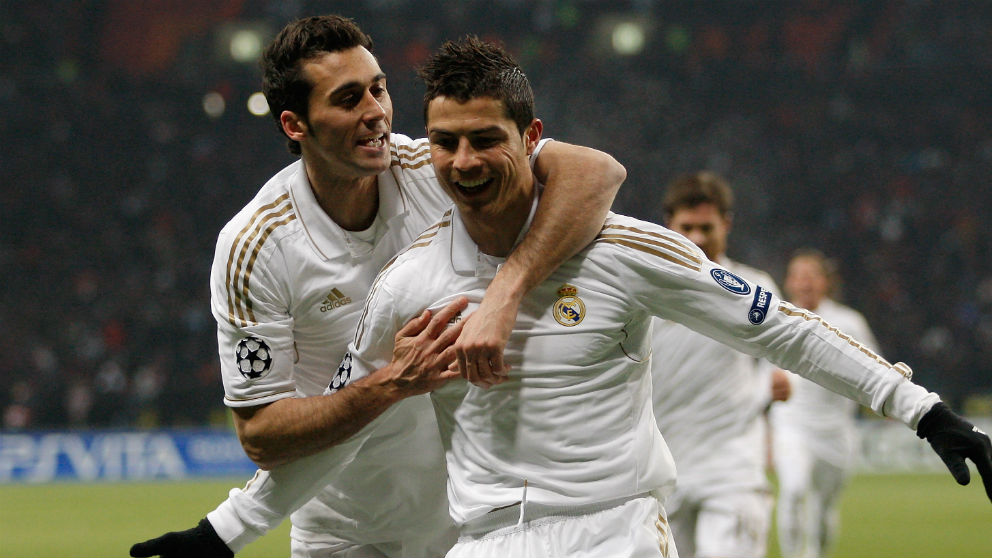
(860, 128)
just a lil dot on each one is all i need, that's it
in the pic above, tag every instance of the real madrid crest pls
(569, 310)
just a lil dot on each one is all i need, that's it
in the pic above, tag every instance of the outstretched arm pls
(580, 184)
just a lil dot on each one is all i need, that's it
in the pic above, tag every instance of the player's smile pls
(376, 143)
(472, 188)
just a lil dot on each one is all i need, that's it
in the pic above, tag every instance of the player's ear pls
(292, 125)
(532, 135)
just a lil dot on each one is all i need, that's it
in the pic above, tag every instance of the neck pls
(496, 233)
(352, 203)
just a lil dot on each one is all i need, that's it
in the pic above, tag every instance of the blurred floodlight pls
(257, 104)
(245, 45)
(241, 41)
(620, 35)
(213, 104)
(628, 38)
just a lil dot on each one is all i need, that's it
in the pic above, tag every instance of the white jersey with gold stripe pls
(576, 423)
(288, 284)
(709, 400)
(287, 288)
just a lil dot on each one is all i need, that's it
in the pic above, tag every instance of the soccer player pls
(710, 399)
(814, 437)
(291, 273)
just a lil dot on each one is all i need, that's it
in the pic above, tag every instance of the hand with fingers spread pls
(955, 439)
(423, 351)
(483, 339)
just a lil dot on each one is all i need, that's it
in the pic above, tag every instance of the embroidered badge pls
(731, 282)
(569, 310)
(253, 357)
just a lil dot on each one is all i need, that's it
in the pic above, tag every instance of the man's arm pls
(291, 428)
(580, 184)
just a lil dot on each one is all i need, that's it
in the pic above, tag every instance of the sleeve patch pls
(730, 282)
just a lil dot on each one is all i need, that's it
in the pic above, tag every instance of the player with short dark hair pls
(710, 399)
(292, 269)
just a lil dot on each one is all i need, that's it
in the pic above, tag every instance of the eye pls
(348, 100)
(447, 143)
(484, 142)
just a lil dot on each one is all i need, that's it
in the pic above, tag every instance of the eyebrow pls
(353, 84)
(479, 132)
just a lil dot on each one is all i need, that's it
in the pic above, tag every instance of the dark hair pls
(690, 190)
(470, 68)
(283, 82)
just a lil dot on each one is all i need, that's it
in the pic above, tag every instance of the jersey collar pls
(466, 259)
(327, 237)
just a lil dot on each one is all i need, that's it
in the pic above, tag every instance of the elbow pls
(617, 173)
(265, 459)
(256, 450)
(260, 448)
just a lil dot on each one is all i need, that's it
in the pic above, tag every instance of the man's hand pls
(480, 346)
(423, 350)
(955, 439)
(781, 385)
(200, 541)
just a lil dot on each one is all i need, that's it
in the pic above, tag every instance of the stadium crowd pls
(858, 128)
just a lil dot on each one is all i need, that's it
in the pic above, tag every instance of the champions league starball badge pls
(253, 357)
(569, 310)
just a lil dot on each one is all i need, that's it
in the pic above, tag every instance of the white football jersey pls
(576, 421)
(709, 400)
(288, 286)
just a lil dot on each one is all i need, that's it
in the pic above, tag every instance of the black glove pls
(954, 439)
(199, 542)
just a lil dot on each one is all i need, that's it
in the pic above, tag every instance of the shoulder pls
(409, 153)
(265, 221)
(430, 248)
(648, 241)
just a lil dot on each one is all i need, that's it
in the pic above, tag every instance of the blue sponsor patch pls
(759, 307)
(731, 282)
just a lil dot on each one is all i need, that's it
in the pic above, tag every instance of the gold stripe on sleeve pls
(658, 253)
(790, 310)
(688, 251)
(259, 227)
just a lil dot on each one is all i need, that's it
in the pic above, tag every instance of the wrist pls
(380, 389)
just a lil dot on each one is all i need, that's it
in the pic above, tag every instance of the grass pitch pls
(882, 515)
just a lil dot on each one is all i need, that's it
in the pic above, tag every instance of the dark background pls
(860, 128)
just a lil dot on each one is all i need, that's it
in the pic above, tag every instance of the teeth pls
(374, 142)
(472, 183)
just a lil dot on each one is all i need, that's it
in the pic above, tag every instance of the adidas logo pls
(334, 300)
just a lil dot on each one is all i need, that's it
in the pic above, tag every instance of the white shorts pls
(735, 524)
(635, 527)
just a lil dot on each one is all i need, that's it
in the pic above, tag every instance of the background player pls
(710, 399)
(292, 268)
(814, 433)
